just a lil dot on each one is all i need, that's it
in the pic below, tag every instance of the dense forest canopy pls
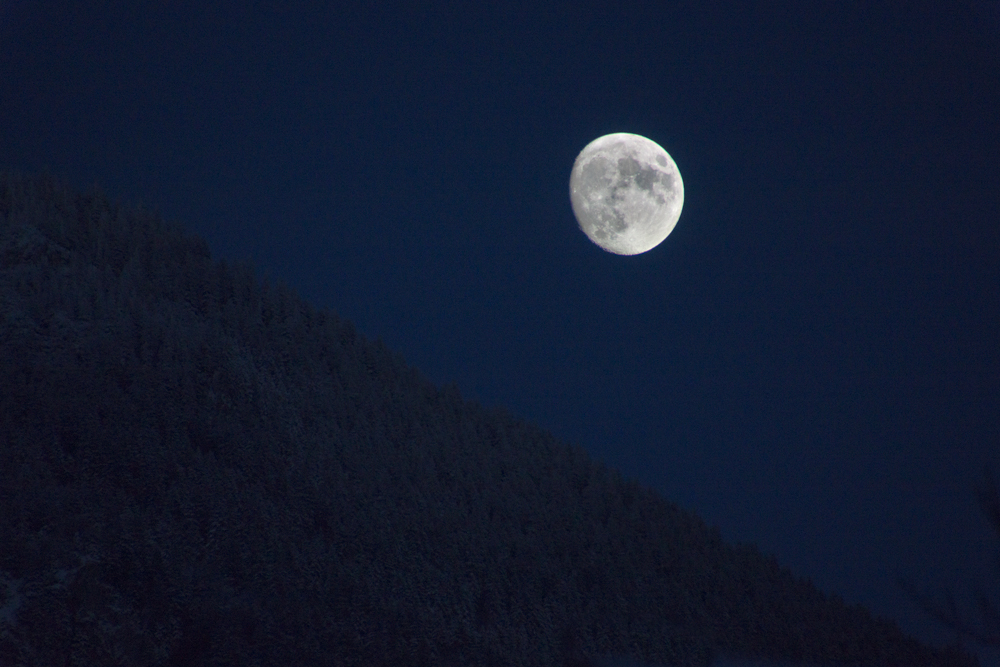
(199, 468)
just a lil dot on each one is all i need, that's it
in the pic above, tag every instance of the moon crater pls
(626, 193)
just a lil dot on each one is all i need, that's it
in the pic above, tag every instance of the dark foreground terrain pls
(197, 468)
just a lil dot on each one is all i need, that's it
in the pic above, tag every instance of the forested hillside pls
(197, 468)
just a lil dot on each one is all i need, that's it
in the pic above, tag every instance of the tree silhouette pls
(985, 630)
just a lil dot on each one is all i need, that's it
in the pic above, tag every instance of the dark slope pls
(198, 469)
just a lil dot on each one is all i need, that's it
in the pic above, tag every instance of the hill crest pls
(199, 468)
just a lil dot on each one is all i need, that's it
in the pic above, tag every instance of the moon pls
(626, 193)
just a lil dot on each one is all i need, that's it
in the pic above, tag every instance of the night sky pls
(810, 361)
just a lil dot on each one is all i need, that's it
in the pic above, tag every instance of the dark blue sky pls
(810, 361)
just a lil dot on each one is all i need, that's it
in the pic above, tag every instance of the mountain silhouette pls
(199, 468)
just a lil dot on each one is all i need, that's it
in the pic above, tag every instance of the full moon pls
(626, 192)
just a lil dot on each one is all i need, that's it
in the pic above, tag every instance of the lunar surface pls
(626, 192)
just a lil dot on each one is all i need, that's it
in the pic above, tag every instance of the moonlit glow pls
(626, 193)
